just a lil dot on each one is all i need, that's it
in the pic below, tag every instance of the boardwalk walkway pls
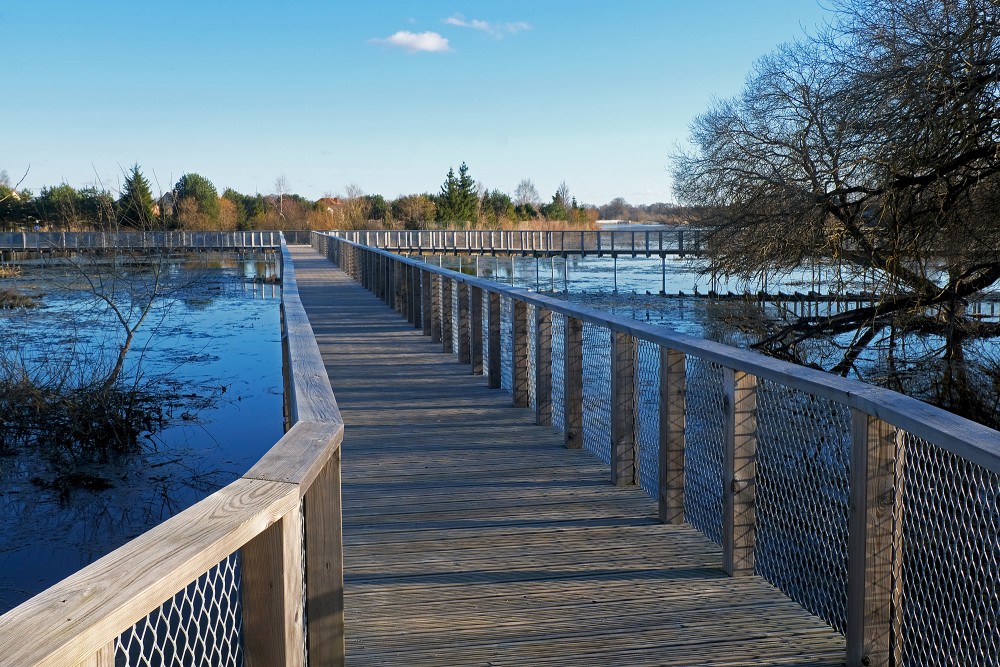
(473, 537)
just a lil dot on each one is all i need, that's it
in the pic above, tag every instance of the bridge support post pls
(573, 382)
(425, 297)
(402, 295)
(624, 444)
(875, 543)
(671, 459)
(543, 367)
(739, 474)
(416, 299)
(325, 566)
(493, 335)
(447, 287)
(272, 594)
(464, 331)
(476, 330)
(436, 287)
(519, 349)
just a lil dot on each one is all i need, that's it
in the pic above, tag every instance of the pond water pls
(212, 346)
(663, 292)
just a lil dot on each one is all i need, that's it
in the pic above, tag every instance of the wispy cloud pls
(497, 30)
(414, 42)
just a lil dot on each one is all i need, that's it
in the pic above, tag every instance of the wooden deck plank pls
(474, 537)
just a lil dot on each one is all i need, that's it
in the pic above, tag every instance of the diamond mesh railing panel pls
(803, 476)
(506, 350)
(532, 338)
(950, 570)
(200, 625)
(648, 415)
(454, 318)
(597, 390)
(558, 368)
(703, 445)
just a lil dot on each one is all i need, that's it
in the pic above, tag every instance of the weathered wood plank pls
(543, 367)
(739, 474)
(671, 438)
(573, 383)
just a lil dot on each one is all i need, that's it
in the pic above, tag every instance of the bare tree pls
(873, 145)
(526, 194)
(281, 188)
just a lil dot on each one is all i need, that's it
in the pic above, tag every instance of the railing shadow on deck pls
(876, 512)
(253, 574)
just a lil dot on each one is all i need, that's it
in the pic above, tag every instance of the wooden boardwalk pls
(473, 537)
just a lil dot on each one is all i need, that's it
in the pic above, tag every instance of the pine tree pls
(458, 202)
(135, 206)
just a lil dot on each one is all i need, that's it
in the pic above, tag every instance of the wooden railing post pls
(416, 301)
(402, 289)
(272, 594)
(519, 349)
(874, 542)
(325, 567)
(427, 316)
(624, 445)
(739, 474)
(447, 286)
(672, 396)
(436, 287)
(573, 382)
(464, 330)
(543, 366)
(476, 330)
(493, 334)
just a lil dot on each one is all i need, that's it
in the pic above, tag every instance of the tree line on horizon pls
(194, 203)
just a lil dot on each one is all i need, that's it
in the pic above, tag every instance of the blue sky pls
(385, 95)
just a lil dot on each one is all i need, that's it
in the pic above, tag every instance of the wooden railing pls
(141, 241)
(903, 584)
(660, 243)
(79, 620)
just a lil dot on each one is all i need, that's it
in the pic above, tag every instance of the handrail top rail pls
(958, 435)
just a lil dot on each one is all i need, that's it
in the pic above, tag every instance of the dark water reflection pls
(215, 350)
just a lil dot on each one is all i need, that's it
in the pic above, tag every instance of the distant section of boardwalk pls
(473, 537)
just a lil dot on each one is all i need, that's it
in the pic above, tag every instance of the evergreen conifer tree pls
(135, 206)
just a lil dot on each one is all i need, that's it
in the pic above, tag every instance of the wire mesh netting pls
(950, 570)
(597, 390)
(558, 370)
(455, 331)
(803, 474)
(703, 443)
(506, 351)
(648, 415)
(200, 625)
(532, 339)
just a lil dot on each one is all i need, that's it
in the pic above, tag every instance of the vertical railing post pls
(874, 542)
(272, 594)
(464, 330)
(476, 330)
(519, 348)
(493, 334)
(427, 316)
(401, 291)
(325, 566)
(624, 445)
(543, 366)
(437, 282)
(447, 286)
(573, 382)
(671, 469)
(416, 297)
(739, 474)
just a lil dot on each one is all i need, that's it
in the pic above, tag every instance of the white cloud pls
(413, 42)
(497, 30)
